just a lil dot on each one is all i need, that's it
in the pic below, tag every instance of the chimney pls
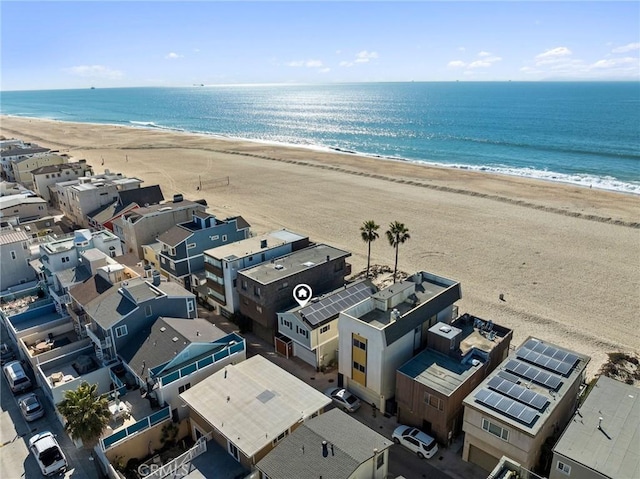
(155, 278)
(263, 243)
(325, 451)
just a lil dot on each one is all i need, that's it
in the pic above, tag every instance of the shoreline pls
(565, 257)
(542, 175)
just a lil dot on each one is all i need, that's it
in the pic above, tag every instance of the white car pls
(30, 407)
(415, 440)
(48, 454)
(343, 399)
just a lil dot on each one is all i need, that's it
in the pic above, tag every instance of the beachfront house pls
(332, 445)
(601, 441)
(267, 288)
(525, 402)
(127, 200)
(183, 245)
(45, 176)
(77, 198)
(142, 226)
(431, 386)
(222, 264)
(13, 153)
(250, 407)
(379, 334)
(310, 332)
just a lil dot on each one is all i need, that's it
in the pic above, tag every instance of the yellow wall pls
(360, 356)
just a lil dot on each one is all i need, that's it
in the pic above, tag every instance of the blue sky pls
(129, 43)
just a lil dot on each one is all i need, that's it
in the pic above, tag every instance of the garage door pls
(304, 354)
(481, 458)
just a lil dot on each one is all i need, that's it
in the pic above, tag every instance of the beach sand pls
(566, 259)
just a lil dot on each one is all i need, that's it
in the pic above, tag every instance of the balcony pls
(100, 343)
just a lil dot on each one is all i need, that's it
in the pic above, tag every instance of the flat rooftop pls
(421, 293)
(294, 263)
(611, 449)
(445, 373)
(253, 402)
(251, 246)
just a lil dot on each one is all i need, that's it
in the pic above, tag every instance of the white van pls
(16, 377)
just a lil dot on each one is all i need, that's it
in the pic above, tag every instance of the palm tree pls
(87, 414)
(368, 230)
(397, 234)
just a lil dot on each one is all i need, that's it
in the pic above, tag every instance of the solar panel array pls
(507, 406)
(533, 374)
(332, 305)
(509, 377)
(549, 357)
(520, 394)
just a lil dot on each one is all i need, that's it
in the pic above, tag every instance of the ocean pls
(583, 133)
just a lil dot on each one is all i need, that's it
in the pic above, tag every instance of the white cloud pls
(484, 54)
(305, 63)
(553, 55)
(346, 64)
(456, 64)
(95, 71)
(614, 62)
(364, 56)
(479, 64)
(172, 56)
(626, 48)
(325, 70)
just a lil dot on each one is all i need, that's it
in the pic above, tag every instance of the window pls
(224, 237)
(256, 291)
(121, 331)
(496, 430)
(235, 283)
(191, 245)
(434, 401)
(302, 331)
(258, 308)
(284, 285)
(359, 344)
(280, 437)
(147, 310)
(172, 251)
(286, 323)
(359, 367)
(324, 329)
(183, 388)
(190, 305)
(13, 255)
(233, 450)
(380, 460)
(563, 468)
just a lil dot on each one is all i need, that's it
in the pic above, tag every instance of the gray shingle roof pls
(155, 345)
(349, 444)
(174, 236)
(23, 151)
(147, 195)
(613, 449)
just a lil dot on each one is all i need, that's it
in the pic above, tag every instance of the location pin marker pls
(302, 294)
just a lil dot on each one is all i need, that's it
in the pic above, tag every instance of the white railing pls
(180, 466)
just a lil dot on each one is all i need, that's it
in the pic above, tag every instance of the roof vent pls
(163, 329)
(279, 266)
(445, 329)
(174, 339)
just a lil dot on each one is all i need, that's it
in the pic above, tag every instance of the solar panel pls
(509, 407)
(509, 377)
(533, 374)
(557, 354)
(333, 304)
(518, 393)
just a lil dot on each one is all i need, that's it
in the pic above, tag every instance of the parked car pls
(415, 440)
(48, 453)
(6, 353)
(343, 399)
(30, 407)
(16, 377)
